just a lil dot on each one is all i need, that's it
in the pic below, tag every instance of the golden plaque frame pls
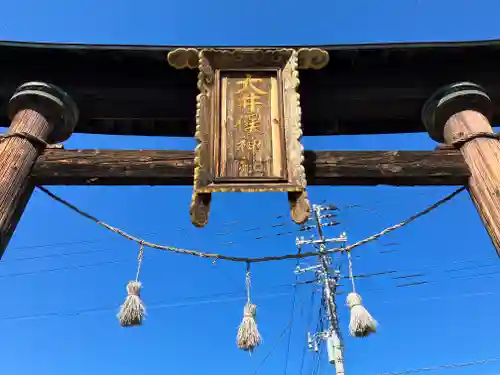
(215, 67)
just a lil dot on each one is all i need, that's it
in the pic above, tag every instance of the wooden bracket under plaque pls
(248, 123)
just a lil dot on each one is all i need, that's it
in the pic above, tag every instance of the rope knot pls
(250, 311)
(462, 139)
(133, 311)
(361, 323)
(134, 288)
(353, 299)
(34, 140)
(248, 336)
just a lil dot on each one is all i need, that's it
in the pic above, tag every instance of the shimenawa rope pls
(247, 259)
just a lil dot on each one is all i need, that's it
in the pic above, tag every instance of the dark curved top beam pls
(365, 89)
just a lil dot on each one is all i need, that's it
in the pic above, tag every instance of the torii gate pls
(444, 88)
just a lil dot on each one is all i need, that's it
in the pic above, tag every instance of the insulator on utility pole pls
(307, 227)
(328, 216)
(331, 224)
(330, 207)
(333, 347)
(309, 341)
(335, 357)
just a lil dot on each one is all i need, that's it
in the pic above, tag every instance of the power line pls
(318, 360)
(291, 321)
(365, 275)
(290, 326)
(227, 275)
(466, 277)
(440, 367)
(414, 275)
(368, 275)
(80, 242)
(71, 243)
(177, 304)
(158, 305)
(309, 320)
(103, 250)
(29, 273)
(473, 266)
(113, 262)
(55, 255)
(425, 282)
(287, 327)
(60, 244)
(232, 279)
(437, 298)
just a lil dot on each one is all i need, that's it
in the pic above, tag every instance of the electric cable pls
(441, 367)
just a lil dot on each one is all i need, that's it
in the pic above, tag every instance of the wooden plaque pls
(252, 145)
(248, 124)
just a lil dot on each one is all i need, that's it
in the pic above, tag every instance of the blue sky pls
(58, 310)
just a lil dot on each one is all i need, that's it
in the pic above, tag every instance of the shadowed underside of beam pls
(165, 167)
(364, 89)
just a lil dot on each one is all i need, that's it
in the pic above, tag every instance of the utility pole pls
(328, 279)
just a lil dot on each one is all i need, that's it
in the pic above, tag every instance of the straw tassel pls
(248, 335)
(361, 323)
(132, 312)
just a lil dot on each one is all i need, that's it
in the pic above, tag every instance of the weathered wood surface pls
(17, 156)
(365, 89)
(246, 121)
(155, 167)
(482, 155)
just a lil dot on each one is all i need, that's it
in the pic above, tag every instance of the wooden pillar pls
(458, 115)
(41, 115)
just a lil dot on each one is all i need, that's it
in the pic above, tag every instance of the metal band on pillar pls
(41, 114)
(459, 115)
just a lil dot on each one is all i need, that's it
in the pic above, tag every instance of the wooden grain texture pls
(17, 156)
(482, 155)
(160, 167)
(207, 116)
(246, 136)
(300, 206)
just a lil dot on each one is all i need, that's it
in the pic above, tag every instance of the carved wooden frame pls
(210, 62)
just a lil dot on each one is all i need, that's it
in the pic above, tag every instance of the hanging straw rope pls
(245, 259)
(132, 312)
(248, 336)
(361, 323)
(349, 261)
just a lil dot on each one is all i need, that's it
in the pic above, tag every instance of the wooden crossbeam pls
(365, 88)
(162, 167)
